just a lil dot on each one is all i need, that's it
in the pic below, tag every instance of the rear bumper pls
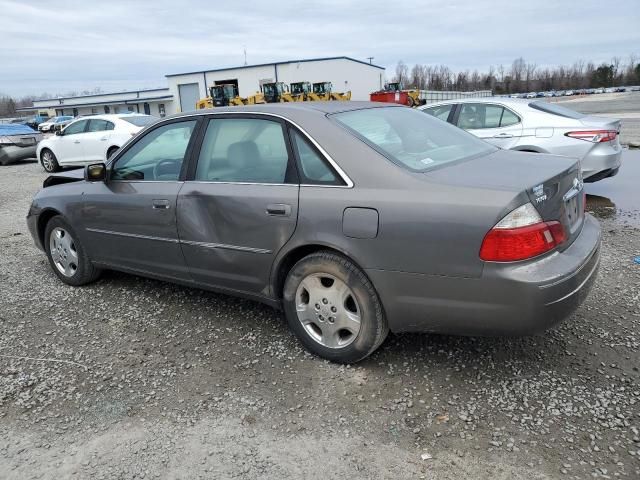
(517, 298)
(601, 160)
(12, 153)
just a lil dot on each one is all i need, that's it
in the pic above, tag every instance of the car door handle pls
(77, 141)
(503, 135)
(161, 204)
(103, 139)
(280, 209)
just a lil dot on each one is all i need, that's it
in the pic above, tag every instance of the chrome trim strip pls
(334, 164)
(226, 247)
(245, 183)
(187, 242)
(133, 235)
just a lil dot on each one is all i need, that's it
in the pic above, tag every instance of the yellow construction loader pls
(226, 95)
(413, 96)
(275, 92)
(300, 91)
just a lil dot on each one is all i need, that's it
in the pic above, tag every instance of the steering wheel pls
(166, 167)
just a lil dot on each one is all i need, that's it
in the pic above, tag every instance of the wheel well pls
(43, 219)
(293, 257)
(111, 149)
(45, 149)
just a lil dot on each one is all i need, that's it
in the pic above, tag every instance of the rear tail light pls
(522, 234)
(594, 136)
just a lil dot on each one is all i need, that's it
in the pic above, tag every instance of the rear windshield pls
(139, 120)
(412, 139)
(555, 109)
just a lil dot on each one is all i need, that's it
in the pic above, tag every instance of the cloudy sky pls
(64, 45)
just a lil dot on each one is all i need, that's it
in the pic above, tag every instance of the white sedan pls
(541, 127)
(89, 140)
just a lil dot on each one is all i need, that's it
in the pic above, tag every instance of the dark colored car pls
(17, 142)
(33, 121)
(355, 218)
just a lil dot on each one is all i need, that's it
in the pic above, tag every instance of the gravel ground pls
(134, 378)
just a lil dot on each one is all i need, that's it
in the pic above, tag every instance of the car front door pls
(493, 123)
(130, 219)
(69, 147)
(241, 205)
(96, 140)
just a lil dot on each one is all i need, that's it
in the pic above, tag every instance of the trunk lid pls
(553, 184)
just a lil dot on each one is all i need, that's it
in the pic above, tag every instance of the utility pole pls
(370, 58)
(245, 55)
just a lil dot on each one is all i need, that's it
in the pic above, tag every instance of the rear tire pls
(66, 255)
(410, 101)
(333, 309)
(49, 161)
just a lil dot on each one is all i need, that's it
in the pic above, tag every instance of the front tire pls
(333, 309)
(66, 254)
(49, 161)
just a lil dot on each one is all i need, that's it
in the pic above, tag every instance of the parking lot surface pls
(135, 378)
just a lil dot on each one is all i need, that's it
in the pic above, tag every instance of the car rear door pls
(69, 147)
(96, 140)
(130, 220)
(240, 205)
(493, 123)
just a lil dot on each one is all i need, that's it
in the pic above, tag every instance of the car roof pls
(502, 100)
(293, 108)
(112, 116)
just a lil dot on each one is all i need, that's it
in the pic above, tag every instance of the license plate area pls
(574, 211)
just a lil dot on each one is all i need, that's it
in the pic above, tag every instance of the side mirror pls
(59, 132)
(96, 172)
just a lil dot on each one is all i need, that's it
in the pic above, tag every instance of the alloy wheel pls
(328, 310)
(48, 161)
(63, 252)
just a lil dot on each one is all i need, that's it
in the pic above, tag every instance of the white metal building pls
(185, 89)
(345, 73)
(157, 102)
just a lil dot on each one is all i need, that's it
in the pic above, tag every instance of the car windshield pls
(555, 109)
(140, 120)
(412, 139)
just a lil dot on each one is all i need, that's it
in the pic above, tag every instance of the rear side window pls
(314, 167)
(99, 125)
(476, 116)
(441, 111)
(243, 150)
(555, 109)
(412, 139)
(75, 127)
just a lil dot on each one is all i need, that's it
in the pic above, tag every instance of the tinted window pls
(99, 125)
(314, 166)
(140, 120)
(478, 115)
(411, 138)
(75, 127)
(441, 111)
(158, 155)
(243, 150)
(555, 109)
(509, 118)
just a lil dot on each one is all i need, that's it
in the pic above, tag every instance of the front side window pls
(157, 156)
(314, 167)
(440, 111)
(412, 139)
(75, 127)
(243, 150)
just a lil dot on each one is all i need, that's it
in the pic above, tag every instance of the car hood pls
(67, 176)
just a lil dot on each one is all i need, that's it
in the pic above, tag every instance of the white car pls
(55, 123)
(538, 126)
(89, 140)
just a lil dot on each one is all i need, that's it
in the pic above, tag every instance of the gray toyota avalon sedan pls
(354, 218)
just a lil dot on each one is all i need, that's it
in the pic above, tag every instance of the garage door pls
(189, 96)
